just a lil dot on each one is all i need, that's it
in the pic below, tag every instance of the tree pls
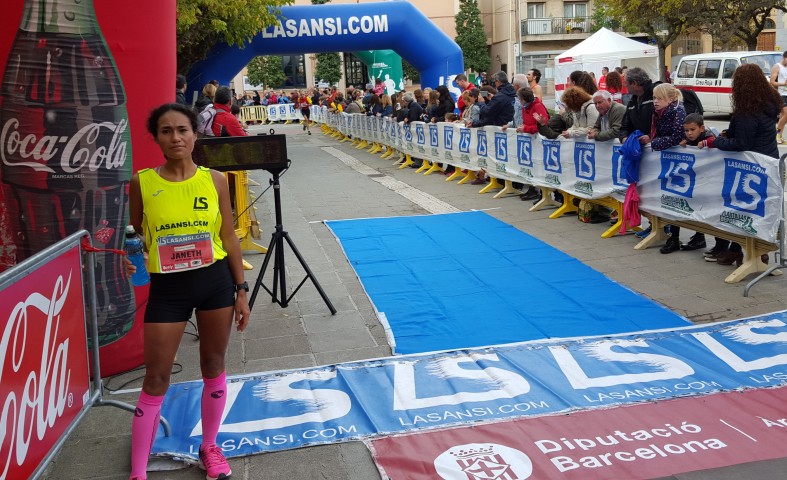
(661, 20)
(329, 68)
(266, 71)
(471, 37)
(329, 65)
(201, 24)
(737, 21)
(410, 72)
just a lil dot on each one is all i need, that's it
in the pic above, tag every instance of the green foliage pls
(266, 71)
(329, 68)
(201, 24)
(410, 72)
(738, 21)
(470, 36)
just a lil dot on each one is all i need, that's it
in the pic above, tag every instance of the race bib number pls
(178, 253)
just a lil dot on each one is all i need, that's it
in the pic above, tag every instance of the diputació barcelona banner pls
(77, 85)
(283, 410)
(44, 375)
(635, 442)
(739, 192)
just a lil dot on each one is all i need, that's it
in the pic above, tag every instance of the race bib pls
(178, 253)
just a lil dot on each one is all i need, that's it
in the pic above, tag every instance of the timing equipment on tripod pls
(262, 152)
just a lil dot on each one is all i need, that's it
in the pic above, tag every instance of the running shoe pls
(213, 462)
(643, 233)
(779, 138)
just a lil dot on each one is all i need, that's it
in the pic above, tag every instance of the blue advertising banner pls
(290, 409)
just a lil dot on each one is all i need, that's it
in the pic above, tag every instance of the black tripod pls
(276, 250)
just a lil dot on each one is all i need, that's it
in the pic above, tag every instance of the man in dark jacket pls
(639, 110)
(500, 110)
(180, 90)
(413, 108)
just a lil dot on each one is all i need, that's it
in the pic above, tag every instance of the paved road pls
(334, 181)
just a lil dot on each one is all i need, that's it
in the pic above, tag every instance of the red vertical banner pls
(44, 382)
(78, 82)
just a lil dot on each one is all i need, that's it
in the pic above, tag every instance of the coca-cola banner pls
(77, 86)
(44, 381)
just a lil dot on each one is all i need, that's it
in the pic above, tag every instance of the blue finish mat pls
(467, 279)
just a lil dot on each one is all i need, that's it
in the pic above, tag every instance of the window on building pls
(535, 10)
(294, 71)
(355, 72)
(574, 10)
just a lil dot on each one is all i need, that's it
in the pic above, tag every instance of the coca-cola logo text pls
(36, 406)
(78, 151)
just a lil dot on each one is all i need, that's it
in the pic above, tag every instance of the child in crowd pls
(667, 130)
(694, 129)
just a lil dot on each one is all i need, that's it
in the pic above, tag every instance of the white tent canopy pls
(605, 48)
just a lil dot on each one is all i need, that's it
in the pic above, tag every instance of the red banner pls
(635, 442)
(44, 382)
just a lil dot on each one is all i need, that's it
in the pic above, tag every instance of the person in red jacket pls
(531, 105)
(225, 124)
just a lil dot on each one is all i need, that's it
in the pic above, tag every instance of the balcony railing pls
(558, 25)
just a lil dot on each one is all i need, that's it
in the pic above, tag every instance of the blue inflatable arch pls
(343, 28)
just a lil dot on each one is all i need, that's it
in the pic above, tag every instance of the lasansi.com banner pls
(739, 192)
(282, 410)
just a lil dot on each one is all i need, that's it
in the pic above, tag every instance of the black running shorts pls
(173, 296)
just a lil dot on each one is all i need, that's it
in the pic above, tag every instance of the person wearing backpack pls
(224, 122)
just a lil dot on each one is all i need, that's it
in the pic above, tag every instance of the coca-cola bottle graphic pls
(65, 145)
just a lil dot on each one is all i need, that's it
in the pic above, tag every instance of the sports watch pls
(241, 286)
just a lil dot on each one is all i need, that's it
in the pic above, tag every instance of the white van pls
(710, 75)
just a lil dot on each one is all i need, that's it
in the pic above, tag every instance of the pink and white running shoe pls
(212, 460)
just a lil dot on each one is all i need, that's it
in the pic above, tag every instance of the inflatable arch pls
(398, 26)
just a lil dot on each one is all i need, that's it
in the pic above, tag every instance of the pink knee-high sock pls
(214, 397)
(143, 432)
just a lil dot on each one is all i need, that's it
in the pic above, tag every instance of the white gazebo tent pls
(605, 48)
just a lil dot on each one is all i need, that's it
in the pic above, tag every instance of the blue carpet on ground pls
(467, 279)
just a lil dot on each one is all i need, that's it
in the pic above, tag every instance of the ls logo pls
(677, 173)
(282, 110)
(618, 175)
(552, 156)
(524, 150)
(585, 160)
(464, 140)
(448, 136)
(501, 147)
(419, 132)
(200, 203)
(481, 150)
(433, 135)
(408, 133)
(745, 186)
(393, 129)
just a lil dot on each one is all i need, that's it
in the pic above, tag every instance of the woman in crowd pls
(581, 79)
(215, 288)
(579, 105)
(375, 106)
(379, 87)
(615, 86)
(418, 95)
(208, 91)
(445, 104)
(431, 104)
(386, 106)
(472, 109)
(532, 108)
(755, 106)
(667, 131)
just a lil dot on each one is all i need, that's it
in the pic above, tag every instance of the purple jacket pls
(669, 127)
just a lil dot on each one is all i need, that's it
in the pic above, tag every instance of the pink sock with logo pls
(143, 432)
(214, 397)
